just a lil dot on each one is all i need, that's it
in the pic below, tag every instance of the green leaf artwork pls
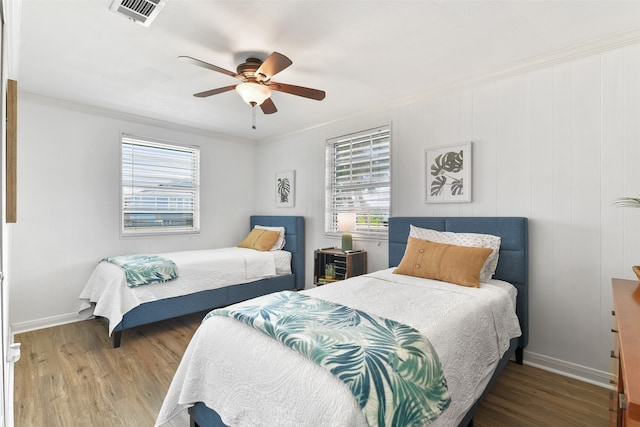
(284, 188)
(443, 169)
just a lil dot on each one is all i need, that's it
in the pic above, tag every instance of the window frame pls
(366, 227)
(194, 152)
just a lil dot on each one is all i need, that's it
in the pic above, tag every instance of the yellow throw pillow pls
(441, 261)
(260, 239)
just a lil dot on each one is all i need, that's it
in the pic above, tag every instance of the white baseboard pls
(47, 322)
(568, 369)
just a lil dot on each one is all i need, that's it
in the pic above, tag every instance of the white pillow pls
(279, 244)
(464, 239)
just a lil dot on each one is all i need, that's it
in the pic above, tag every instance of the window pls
(359, 180)
(160, 187)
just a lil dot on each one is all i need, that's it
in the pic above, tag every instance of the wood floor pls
(70, 376)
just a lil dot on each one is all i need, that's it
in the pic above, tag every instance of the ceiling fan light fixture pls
(253, 93)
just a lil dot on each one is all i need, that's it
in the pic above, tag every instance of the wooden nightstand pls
(347, 264)
(624, 403)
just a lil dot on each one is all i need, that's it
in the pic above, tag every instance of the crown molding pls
(571, 53)
(128, 117)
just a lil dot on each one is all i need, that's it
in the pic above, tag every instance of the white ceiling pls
(364, 54)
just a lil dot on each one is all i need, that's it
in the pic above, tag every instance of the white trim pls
(46, 322)
(136, 154)
(568, 369)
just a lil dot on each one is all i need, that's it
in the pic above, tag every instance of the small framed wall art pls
(448, 174)
(285, 189)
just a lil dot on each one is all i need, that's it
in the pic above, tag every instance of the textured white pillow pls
(464, 239)
(279, 244)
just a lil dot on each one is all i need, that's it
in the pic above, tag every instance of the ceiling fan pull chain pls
(253, 116)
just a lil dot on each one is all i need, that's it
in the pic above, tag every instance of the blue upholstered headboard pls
(513, 261)
(294, 237)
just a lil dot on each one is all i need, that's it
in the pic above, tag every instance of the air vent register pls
(141, 11)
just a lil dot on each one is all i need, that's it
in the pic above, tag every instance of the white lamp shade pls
(346, 221)
(253, 93)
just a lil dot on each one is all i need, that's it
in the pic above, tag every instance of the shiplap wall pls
(556, 144)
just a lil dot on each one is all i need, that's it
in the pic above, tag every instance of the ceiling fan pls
(257, 85)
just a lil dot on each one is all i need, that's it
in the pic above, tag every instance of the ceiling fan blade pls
(274, 63)
(214, 91)
(268, 107)
(208, 66)
(306, 92)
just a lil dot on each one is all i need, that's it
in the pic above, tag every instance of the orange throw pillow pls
(441, 261)
(260, 239)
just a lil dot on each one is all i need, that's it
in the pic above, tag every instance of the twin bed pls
(202, 284)
(237, 373)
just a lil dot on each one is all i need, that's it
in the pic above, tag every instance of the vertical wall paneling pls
(541, 229)
(447, 119)
(586, 176)
(513, 127)
(556, 145)
(485, 150)
(428, 141)
(557, 342)
(408, 142)
(446, 133)
(466, 135)
(612, 181)
(632, 153)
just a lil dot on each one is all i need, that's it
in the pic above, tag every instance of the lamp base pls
(347, 241)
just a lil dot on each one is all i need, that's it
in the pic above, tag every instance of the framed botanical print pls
(285, 189)
(448, 174)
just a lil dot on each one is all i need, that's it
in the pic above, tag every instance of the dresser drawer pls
(615, 351)
(626, 352)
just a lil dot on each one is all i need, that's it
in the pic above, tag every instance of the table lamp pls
(346, 223)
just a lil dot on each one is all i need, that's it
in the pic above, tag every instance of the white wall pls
(68, 202)
(556, 145)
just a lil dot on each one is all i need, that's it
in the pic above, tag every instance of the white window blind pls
(359, 180)
(160, 187)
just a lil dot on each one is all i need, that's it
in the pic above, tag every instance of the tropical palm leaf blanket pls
(392, 370)
(144, 269)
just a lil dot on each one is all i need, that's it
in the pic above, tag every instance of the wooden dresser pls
(625, 403)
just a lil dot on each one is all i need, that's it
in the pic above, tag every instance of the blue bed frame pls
(179, 306)
(513, 261)
(513, 267)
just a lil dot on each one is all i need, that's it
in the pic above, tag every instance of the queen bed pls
(238, 275)
(233, 374)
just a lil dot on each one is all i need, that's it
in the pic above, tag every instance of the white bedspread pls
(106, 293)
(253, 380)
